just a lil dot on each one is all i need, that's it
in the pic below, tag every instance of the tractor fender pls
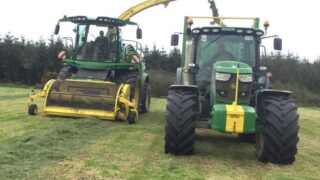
(144, 79)
(185, 88)
(179, 77)
(260, 93)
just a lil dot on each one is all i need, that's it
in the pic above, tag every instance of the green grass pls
(40, 147)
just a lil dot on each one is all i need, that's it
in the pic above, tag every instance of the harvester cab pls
(102, 76)
(222, 86)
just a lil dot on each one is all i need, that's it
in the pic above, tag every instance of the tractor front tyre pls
(182, 108)
(131, 117)
(145, 99)
(278, 138)
(33, 109)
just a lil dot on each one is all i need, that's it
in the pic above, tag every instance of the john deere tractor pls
(222, 86)
(103, 75)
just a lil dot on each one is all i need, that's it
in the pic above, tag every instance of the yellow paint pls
(123, 106)
(72, 112)
(142, 6)
(235, 113)
(235, 119)
(237, 88)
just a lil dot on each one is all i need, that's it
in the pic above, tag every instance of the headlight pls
(222, 76)
(245, 78)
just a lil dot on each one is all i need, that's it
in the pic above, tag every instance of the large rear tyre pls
(278, 120)
(145, 99)
(182, 107)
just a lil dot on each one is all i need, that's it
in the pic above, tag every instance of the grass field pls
(69, 148)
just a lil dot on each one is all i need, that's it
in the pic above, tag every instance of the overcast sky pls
(297, 22)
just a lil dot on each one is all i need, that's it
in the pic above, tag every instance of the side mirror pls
(56, 30)
(277, 44)
(139, 33)
(174, 39)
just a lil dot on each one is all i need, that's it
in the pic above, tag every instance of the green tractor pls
(103, 75)
(222, 86)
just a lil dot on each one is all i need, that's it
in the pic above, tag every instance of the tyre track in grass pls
(23, 156)
(129, 152)
(65, 148)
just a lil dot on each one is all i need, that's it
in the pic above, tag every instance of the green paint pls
(219, 116)
(231, 67)
(249, 119)
(184, 41)
(256, 23)
(96, 65)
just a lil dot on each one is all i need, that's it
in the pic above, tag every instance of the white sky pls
(297, 22)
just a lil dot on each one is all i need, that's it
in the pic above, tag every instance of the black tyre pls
(278, 118)
(132, 78)
(182, 107)
(131, 117)
(248, 138)
(33, 109)
(145, 99)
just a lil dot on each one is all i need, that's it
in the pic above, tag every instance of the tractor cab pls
(214, 45)
(96, 40)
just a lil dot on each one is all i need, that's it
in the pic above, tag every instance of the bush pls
(160, 82)
(303, 96)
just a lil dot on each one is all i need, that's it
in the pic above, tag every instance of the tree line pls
(26, 62)
(34, 62)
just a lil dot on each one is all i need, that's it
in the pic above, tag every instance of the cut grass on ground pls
(40, 147)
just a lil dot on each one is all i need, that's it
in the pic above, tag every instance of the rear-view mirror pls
(56, 30)
(174, 39)
(139, 33)
(277, 44)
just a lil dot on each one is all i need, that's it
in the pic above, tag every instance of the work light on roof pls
(239, 30)
(215, 30)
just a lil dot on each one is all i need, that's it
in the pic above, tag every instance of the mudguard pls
(185, 87)
(260, 93)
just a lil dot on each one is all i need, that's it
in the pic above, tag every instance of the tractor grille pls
(225, 90)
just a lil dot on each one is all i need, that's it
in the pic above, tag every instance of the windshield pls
(97, 43)
(213, 48)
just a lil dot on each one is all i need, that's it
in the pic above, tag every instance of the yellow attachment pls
(87, 98)
(237, 88)
(142, 6)
(235, 118)
(235, 113)
(43, 93)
